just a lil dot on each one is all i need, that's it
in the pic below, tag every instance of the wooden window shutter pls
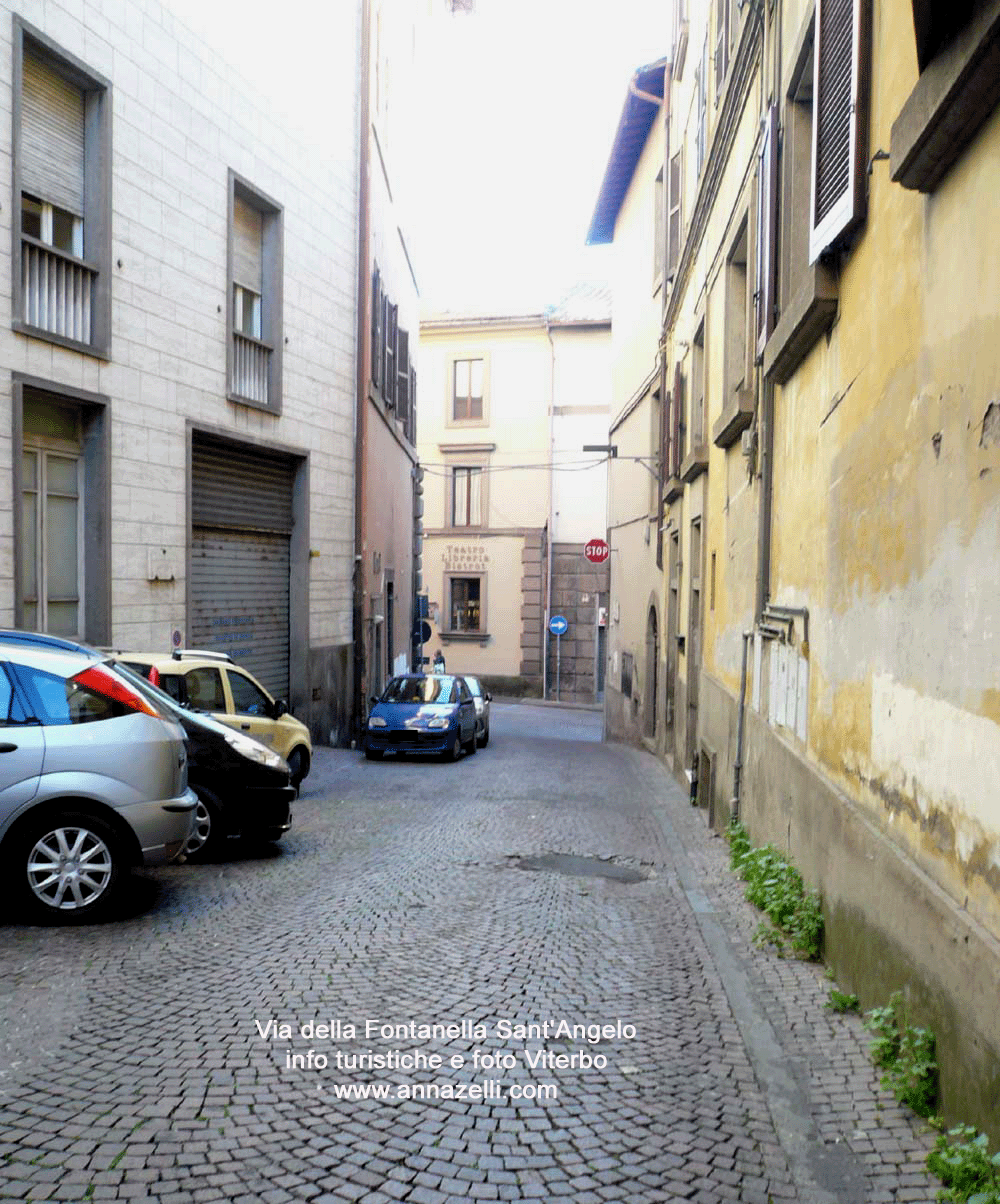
(389, 312)
(411, 426)
(376, 328)
(840, 103)
(52, 136)
(402, 375)
(675, 433)
(767, 229)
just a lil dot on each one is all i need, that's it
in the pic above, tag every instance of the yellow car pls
(210, 682)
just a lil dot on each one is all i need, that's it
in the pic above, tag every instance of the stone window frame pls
(96, 89)
(95, 415)
(957, 90)
(806, 294)
(453, 359)
(272, 299)
(466, 575)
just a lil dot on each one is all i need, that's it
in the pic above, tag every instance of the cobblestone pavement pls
(133, 1065)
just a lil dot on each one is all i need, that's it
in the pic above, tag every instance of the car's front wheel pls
(374, 754)
(484, 739)
(70, 866)
(298, 763)
(454, 749)
(471, 745)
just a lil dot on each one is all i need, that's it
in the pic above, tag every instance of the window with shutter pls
(674, 215)
(411, 426)
(389, 315)
(255, 312)
(376, 325)
(402, 376)
(61, 273)
(767, 228)
(677, 429)
(840, 103)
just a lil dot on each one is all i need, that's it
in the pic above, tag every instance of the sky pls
(518, 101)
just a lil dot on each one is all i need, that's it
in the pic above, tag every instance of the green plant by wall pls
(961, 1160)
(906, 1054)
(776, 887)
(840, 1001)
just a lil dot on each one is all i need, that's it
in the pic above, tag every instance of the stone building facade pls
(178, 331)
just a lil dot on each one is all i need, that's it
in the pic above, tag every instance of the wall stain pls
(938, 832)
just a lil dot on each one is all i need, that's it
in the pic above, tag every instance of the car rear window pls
(59, 700)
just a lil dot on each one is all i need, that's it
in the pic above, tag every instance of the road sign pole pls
(558, 663)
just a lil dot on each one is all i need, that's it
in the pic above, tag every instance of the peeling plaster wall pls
(886, 525)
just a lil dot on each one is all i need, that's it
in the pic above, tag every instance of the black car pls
(244, 788)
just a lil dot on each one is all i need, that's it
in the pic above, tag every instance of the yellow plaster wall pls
(887, 508)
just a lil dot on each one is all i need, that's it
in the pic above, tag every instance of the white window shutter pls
(52, 136)
(840, 103)
(767, 225)
(247, 246)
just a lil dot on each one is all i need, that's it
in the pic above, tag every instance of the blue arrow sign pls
(558, 625)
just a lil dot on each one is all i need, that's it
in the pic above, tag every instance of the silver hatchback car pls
(93, 778)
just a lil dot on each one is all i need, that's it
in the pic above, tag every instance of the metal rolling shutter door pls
(241, 510)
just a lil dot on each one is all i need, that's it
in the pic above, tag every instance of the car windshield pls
(474, 687)
(420, 689)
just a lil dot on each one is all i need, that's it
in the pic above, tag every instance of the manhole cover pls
(579, 867)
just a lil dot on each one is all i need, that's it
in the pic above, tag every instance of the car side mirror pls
(488, 696)
(280, 708)
(372, 701)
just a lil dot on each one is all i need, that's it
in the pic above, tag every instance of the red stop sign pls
(597, 551)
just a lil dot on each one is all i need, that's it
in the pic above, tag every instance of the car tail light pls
(107, 685)
(154, 676)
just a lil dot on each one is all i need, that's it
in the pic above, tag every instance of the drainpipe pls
(551, 519)
(363, 357)
(734, 805)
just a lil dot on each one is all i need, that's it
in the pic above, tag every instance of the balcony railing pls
(57, 291)
(251, 368)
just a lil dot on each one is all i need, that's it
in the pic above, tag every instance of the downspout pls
(734, 806)
(363, 375)
(551, 520)
(769, 65)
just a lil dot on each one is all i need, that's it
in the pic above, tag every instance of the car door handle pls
(245, 727)
(8, 748)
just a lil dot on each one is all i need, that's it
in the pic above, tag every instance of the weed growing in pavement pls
(906, 1054)
(839, 1001)
(775, 886)
(961, 1160)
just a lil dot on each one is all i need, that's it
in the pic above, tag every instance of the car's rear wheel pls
(207, 834)
(298, 763)
(70, 866)
(471, 746)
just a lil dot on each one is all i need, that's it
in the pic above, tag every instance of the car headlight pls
(253, 750)
(439, 723)
(377, 721)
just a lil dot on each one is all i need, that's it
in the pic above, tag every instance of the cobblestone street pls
(137, 1061)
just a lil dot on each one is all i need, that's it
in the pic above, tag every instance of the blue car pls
(422, 713)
